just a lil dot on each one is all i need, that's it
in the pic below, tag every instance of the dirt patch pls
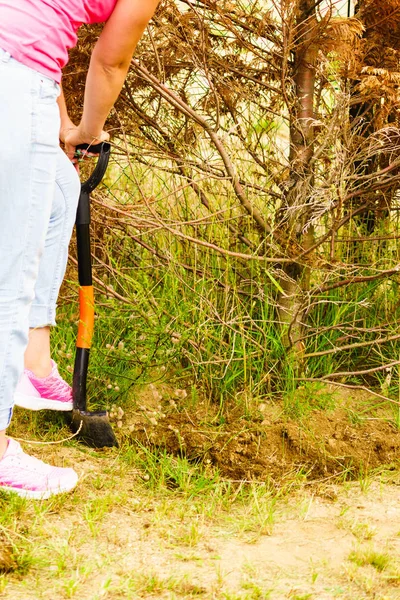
(264, 445)
(119, 536)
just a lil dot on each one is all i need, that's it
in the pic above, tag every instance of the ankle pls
(37, 354)
(40, 369)
(3, 445)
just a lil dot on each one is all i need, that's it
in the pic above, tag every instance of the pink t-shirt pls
(39, 33)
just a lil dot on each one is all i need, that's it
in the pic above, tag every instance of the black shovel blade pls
(93, 428)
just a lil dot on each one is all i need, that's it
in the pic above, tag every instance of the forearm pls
(103, 85)
(111, 59)
(64, 116)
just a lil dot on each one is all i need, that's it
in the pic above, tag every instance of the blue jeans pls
(39, 191)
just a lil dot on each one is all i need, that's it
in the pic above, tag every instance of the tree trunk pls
(296, 279)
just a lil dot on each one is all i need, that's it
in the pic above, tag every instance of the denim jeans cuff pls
(41, 316)
(5, 417)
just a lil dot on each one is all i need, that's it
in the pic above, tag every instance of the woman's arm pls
(66, 124)
(109, 65)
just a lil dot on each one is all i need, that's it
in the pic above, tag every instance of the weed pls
(311, 396)
(96, 509)
(363, 531)
(254, 587)
(175, 473)
(105, 590)
(188, 535)
(354, 416)
(256, 591)
(151, 583)
(12, 507)
(70, 587)
(369, 556)
(364, 478)
(185, 557)
(314, 572)
(16, 550)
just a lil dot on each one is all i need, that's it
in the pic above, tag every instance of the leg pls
(54, 259)
(52, 267)
(41, 386)
(37, 354)
(29, 124)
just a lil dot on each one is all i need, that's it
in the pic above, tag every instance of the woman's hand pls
(74, 136)
(66, 127)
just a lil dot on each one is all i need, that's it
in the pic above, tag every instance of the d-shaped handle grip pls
(103, 150)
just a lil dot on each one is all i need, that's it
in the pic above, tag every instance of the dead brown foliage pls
(279, 124)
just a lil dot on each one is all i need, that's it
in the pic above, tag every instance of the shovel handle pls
(103, 150)
(86, 298)
(93, 148)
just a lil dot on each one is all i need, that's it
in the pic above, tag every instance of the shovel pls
(93, 428)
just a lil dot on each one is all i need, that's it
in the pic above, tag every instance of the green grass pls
(69, 537)
(211, 329)
(311, 396)
(204, 327)
(144, 524)
(370, 556)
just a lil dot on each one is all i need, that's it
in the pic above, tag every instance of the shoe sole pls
(38, 495)
(32, 403)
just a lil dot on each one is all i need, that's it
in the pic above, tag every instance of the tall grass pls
(166, 304)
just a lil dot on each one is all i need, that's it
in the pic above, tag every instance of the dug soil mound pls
(266, 444)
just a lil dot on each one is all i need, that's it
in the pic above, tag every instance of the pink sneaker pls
(30, 477)
(37, 393)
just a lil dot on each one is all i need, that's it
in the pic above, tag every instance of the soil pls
(265, 444)
(115, 538)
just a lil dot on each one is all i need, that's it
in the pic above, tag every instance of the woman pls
(39, 190)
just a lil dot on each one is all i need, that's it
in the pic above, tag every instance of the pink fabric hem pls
(52, 74)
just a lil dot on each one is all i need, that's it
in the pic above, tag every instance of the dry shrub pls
(267, 139)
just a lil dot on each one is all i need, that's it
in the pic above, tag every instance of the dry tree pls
(258, 142)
